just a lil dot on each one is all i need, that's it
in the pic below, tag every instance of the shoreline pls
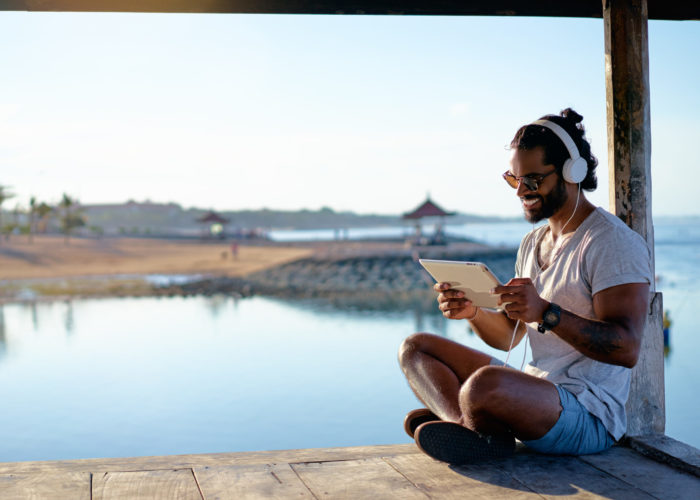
(354, 273)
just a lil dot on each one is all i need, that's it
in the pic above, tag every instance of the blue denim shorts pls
(577, 432)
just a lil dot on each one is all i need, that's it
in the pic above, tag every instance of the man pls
(580, 295)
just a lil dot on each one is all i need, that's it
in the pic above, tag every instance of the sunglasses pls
(532, 181)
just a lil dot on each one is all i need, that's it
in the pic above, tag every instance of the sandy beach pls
(50, 269)
(49, 257)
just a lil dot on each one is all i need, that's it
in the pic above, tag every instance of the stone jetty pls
(357, 274)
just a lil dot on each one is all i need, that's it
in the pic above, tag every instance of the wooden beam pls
(629, 165)
(659, 9)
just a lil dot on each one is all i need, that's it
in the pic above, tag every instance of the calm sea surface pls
(156, 376)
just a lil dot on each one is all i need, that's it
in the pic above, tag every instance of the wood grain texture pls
(176, 484)
(661, 9)
(655, 478)
(557, 476)
(440, 480)
(58, 486)
(667, 450)
(629, 167)
(183, 461)
(399, 471)
(352, 479)
(243, 482)
(628, 113)
(646, 406)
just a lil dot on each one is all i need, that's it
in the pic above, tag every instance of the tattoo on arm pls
(600, 338)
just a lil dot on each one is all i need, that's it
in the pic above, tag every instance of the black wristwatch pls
(550, 318)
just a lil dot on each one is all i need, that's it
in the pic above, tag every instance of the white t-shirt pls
(603, 252)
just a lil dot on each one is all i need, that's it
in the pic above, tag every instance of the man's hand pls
(521, 300)
(453, 304)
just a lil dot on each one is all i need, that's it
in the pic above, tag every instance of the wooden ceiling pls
(658, 9)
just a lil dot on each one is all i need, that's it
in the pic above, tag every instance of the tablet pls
(475, 279)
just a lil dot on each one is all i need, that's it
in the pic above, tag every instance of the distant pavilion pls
(428, 209)
(215, 224)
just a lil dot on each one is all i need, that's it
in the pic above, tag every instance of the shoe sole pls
(457, 445)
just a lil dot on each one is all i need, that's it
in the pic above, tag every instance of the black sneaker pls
(455, 444)
(415, 418)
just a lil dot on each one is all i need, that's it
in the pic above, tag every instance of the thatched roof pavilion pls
(428, 209)
(212, 218)
(214, 224)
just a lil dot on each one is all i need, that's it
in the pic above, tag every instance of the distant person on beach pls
(234, 249)
(580, 296)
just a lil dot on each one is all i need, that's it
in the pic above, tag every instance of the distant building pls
(428, 209)
(214, 224)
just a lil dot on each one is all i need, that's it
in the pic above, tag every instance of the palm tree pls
(5, 194)
(71, 217)
(43, 211)
(32, 217)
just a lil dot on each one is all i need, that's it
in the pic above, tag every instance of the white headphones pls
(575, 168)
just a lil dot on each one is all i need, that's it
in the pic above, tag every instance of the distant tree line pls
(37, 217)
(69, 217)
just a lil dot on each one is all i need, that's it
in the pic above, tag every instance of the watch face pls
(550, 317)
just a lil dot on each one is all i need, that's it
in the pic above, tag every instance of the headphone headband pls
(563, 135)
(575, 168)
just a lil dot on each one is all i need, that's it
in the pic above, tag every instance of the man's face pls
(551, 193)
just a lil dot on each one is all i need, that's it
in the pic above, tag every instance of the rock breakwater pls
(382, 279)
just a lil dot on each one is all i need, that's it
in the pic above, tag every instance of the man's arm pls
(614, 337)
(617, 335)
(496, 329)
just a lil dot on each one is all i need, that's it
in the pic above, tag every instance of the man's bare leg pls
(436, 369)
(498, 400)
(460, 385)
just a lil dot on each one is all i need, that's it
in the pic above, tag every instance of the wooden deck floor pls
(396, 471)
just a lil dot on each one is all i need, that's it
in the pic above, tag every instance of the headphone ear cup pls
(575, 171)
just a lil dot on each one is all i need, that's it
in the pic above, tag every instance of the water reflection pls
(123, 355)
(69, 318)
(35, 315)
(433, 321)
(418, 315)
(3, 333)
(216, 303)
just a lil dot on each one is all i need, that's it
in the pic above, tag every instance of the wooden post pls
(629, 166)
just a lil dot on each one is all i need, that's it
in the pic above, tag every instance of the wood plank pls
(176, 484)
(58, 486)
(654, 478)
(646, 406)
(366, 478)
(659, 9)
(665, 449)
(557, 476)
(211, 459)
(440, 480)
(242, 482)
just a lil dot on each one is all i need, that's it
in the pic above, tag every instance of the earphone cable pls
(537, 273)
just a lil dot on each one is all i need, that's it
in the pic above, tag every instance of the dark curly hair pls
(555, 153)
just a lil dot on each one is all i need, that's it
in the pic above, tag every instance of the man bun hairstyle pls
(532, 136)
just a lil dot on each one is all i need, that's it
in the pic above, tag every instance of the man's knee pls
(483, 389)
(412, 345)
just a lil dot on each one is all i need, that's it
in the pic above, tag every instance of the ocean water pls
(155, 376)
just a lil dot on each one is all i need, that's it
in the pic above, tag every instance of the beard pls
(549, 204)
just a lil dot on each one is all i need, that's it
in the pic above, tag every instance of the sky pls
(362, 113)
